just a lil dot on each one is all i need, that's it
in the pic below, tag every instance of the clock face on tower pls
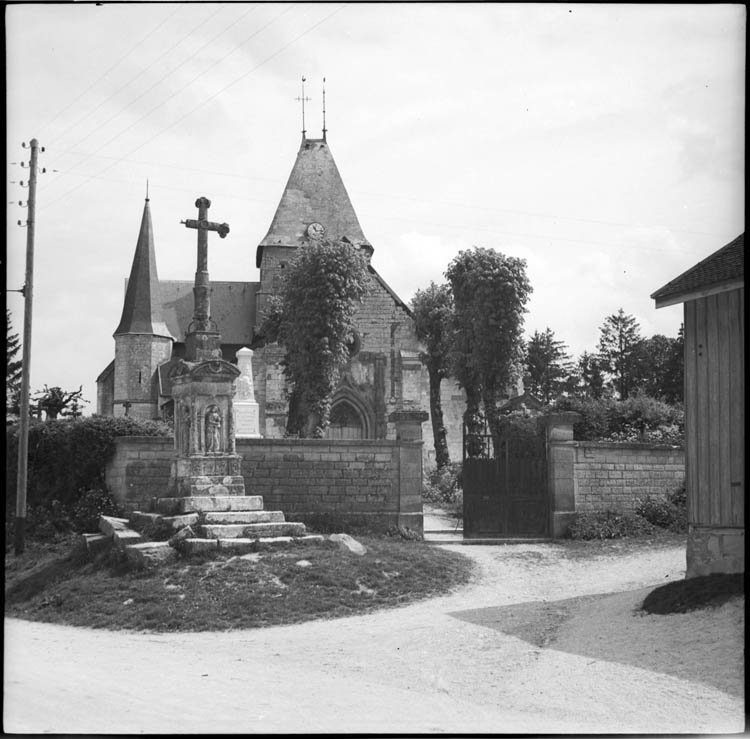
(316, 230)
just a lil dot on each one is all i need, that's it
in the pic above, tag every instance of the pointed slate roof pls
(142, 310)
(315, 193)
(722, 270)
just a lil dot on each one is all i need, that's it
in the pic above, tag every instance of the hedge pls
(67, 456)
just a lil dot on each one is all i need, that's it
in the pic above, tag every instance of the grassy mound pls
(682, 596)
(54, 583)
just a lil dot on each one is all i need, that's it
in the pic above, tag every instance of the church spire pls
(142, 311)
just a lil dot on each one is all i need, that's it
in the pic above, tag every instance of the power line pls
(160, 80)
(205, 102)
(88, 113)
(104, 74)
(441, 203)
(527, 235)
(432, 223)
(531, 214)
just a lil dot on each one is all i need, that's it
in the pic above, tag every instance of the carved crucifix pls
(202, 312)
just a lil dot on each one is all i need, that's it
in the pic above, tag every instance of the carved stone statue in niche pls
(213, 429)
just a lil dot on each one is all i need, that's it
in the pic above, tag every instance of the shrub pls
(90, 505)
(70, 455)
(404, 533)
(665, 511)
(443, 486)
(518, 423)
(608, 525)
(66, 464)
(456, 508)
(639, 418)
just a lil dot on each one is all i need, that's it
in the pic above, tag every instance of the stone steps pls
(201, 523)
(231, 517)
(205, 503)
(243, 545)
(250, 531)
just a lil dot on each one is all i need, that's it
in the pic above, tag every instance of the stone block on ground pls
(238, 546)
(109, 524)
(93, 544)
(201, 504)
(348, 543)
(124, 537)
(195, 546)
(271, 542)
(234, 517)
(185, 533)
(149, 553)
(140, 520)
(178, 522)
(253, 530)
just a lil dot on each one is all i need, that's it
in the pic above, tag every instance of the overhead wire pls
(91, 111)
(107, 71)
(161, 79)
(207, 100)
(432, 222)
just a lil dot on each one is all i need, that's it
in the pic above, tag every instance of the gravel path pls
(539, 643)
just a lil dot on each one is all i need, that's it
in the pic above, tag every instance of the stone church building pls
(384, 373)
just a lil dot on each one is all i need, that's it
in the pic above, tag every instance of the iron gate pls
(505, 486)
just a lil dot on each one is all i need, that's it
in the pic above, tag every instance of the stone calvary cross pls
(202, 312)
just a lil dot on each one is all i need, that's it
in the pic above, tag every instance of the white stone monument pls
(246, 410)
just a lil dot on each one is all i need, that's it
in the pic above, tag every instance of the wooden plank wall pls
(714, 409)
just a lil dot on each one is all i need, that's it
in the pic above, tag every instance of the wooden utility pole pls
(28, 292)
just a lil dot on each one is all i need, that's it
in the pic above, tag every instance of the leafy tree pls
(433, 321)
(55, 401)
(314, 321)
(591, 377)
(660, 362)
(490, 292)
(547, 367)
(619, 338)
(13, 367)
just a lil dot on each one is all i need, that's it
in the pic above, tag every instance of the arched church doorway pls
(346, 422)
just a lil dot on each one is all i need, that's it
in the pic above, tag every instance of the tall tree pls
(591, 376)
(490, 291)
(660, 365)
(55, 401)
(619, 337)
(547, 367)
(433, 321)
(13, 366)
(314, 321)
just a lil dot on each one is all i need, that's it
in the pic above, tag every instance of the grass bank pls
(55, 583)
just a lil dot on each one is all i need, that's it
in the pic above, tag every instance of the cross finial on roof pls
(324, 108)
(303, 99)
(146, 190)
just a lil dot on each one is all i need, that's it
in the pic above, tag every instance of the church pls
(384, 373)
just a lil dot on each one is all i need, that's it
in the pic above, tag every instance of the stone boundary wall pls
(374, 483)
(613, 476)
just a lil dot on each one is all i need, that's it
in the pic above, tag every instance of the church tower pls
(142, 339)
(314, 205)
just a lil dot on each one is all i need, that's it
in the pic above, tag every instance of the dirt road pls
(539, 643)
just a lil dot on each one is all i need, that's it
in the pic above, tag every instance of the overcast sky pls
(604, 144)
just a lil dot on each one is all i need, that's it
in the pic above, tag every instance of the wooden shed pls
(713, 294)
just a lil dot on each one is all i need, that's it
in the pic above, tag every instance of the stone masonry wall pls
(614, 476)
(374, 481)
